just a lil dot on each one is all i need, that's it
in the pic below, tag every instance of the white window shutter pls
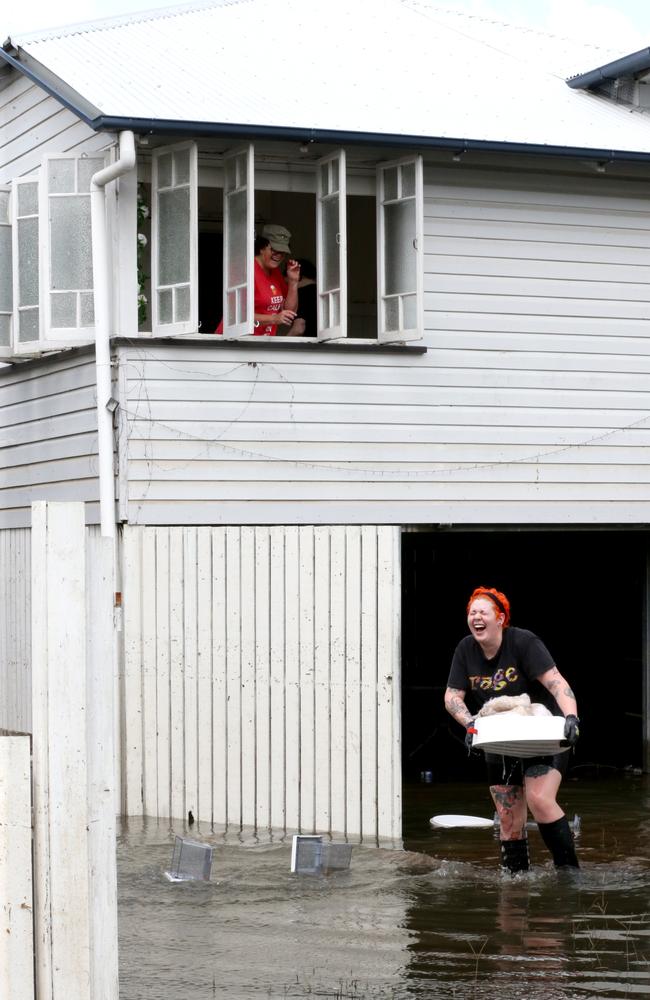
(174, 239)
(331, 243)
(67, 299)
(400, 250)
(27, 278)
(238, 242)
(6, 272)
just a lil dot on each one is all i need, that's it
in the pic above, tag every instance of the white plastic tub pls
(515, 735)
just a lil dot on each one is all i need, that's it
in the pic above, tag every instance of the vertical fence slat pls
(204, 675)
(337, 681)
(369, 775)
(322, 728)
(190, 653)
(233, 673)
(219, 685)
(307, 692)
(262, 680)
(158, 595)
(176, 674)
(292, 678)
(388, 700)
(278, 680)
(248, 685)
(149, 665)
(353, 677)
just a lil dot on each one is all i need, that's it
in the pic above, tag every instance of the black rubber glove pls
(469, 737)
(571, 729)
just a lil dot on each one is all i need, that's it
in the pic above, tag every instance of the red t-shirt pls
(270, 293)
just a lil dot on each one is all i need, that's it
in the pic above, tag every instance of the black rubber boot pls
(558, 838)
(514, 855)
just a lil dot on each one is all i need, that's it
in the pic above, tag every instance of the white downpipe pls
(102, 300)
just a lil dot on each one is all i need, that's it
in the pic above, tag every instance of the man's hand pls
(470, 733)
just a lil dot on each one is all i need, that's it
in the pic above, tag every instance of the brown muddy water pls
(437, 920)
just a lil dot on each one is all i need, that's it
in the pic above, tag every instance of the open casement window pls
(238, 243)
(331, 247)
(27, 311)
(6, 296)
(400, 255)
(67, 302)
(174, 239)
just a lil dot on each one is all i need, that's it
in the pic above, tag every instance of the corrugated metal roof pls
(400, 67)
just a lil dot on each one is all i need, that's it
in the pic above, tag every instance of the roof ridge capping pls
(631, 66)
(118, 20)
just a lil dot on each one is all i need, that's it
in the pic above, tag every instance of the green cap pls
(278, 237)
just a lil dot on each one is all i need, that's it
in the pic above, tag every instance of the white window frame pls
(53, 337)
(326, 299)
(29, 347)
(244, 181)
(417, 332)
(6, 350)
(191, 325)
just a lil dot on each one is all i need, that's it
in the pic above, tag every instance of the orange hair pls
(500, 601)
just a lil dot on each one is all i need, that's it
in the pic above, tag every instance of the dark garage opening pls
(582, 592)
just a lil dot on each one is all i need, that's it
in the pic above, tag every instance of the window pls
(174, 227)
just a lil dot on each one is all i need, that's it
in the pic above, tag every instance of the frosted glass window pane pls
(182, 165)
(27, 262)
(242, 297)
(325, 178)
(325, 312)
(4, 206)
(335, 175)
(28, 325)
(28, 199)
(165, 170)
(71, 250)
(236, 239)
(165, 305)
(390, 183)
(86, 169)
(410, 311)
(174, 236)
(64, 309)
(87, 304)
(182, 304)
(231, 174)
(400, 256)
(60, 174)
(408, 180)
(391, 314)
(5, 331)
(241, 171)
(6, 297)
(231, 308)
(335, 305)
(331, 271)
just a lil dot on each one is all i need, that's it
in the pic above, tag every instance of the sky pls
(623, 24)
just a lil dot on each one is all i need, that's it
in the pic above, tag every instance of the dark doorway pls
(581, 592)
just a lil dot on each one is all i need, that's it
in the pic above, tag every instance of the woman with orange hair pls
(499, 659)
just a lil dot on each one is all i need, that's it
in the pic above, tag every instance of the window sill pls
(276, 343)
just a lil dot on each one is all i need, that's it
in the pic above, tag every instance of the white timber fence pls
(74, 873)
(261, 678)
(16, 927)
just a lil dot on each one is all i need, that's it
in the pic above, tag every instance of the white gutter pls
(102, 301)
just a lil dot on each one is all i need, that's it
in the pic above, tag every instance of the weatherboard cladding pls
(411, 69)
(531, 404)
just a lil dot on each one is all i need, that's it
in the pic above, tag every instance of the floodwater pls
(437, 920)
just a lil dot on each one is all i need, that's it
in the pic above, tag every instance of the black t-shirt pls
(514, 669)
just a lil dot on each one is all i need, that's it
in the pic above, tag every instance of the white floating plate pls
(515, 735)
(451, 821)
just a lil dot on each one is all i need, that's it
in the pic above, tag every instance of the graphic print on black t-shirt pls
(521, 659)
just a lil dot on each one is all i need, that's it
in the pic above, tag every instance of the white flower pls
(142, 239)
(142, 298)
(144, 211)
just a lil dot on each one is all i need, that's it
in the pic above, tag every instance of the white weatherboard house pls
(481, 231)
